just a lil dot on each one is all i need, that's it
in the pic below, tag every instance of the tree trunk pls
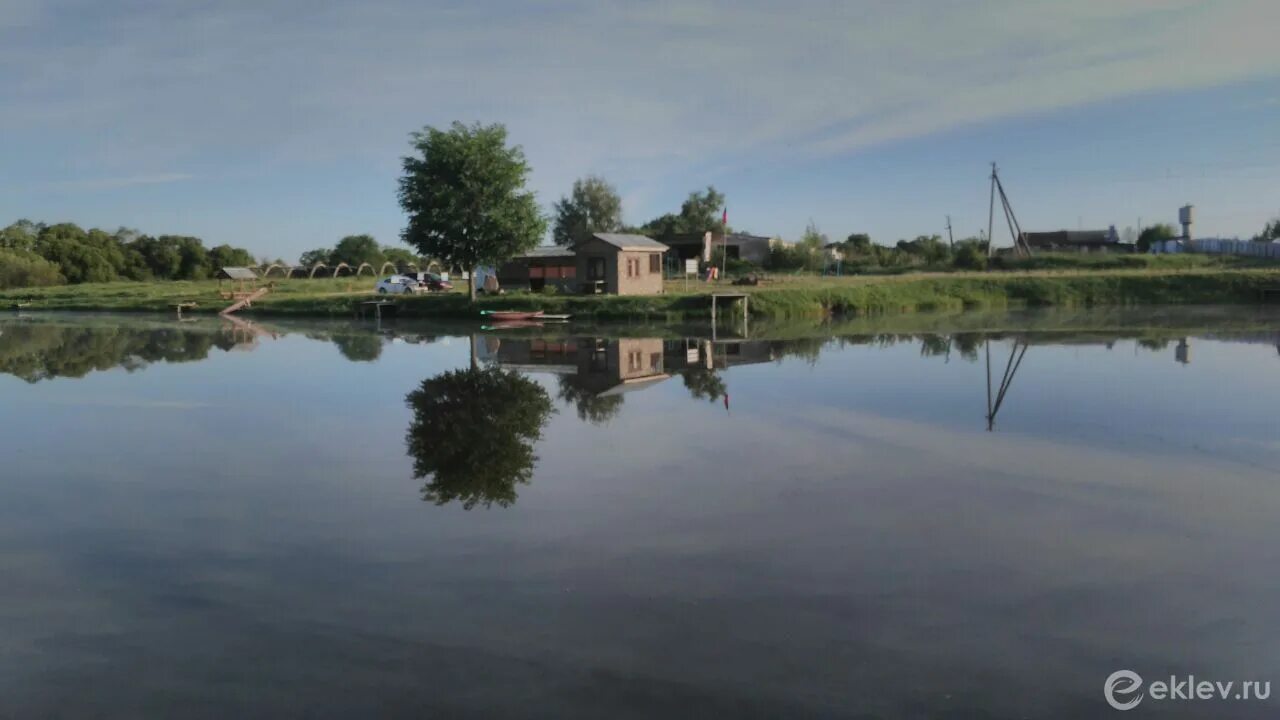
(471, 286)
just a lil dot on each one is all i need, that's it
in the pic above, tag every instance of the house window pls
(655, 262)
(595, 268)
(635, 360)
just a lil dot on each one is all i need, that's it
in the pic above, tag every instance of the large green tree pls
(473, 434)
(227, 256)
(464, 192)
(593, 206)
(700, 212)
(356, 249)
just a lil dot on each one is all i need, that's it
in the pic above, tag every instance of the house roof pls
(716, 237)
(738, 238)
(545, 251)
(630, 242)
(1071, 237)
(237, 273)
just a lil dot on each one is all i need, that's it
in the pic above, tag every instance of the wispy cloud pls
(115, 183)
(632, 89)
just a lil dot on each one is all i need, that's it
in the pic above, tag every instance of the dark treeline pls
(35, 254)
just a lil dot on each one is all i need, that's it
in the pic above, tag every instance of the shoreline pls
(787, 298)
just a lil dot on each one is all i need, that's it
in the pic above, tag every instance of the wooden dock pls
(730, 299)
(245, 301)
(377, 307)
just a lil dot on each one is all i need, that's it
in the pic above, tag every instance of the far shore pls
(782, 296)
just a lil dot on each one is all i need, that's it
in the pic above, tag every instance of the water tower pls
(1185, 218)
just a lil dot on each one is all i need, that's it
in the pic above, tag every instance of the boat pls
(511, 315)
(555, 318)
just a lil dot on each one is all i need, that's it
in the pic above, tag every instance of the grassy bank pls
(787, 297)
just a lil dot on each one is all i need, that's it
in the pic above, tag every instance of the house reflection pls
(595, 373)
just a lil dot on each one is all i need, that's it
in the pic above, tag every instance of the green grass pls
(781, 297)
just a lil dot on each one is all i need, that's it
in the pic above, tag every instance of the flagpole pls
(724, 241)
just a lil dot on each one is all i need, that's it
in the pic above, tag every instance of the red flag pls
(725, 218)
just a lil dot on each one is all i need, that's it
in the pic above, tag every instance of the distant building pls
(545, 266)
(699, 246)
(619, 264)
(1077, 241)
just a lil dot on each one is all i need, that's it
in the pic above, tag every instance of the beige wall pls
(646, 283)
(637, 357)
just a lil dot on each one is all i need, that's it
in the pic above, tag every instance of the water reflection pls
(473, 434)
(670, 563)
(994, 402)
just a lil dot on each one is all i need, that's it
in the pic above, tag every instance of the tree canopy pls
(700, 212)
(592, 207)
(464, 192)
(356, 249)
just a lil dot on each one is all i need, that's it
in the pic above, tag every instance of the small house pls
(545, 266)
(619, 264)
(241, 276)
(1082, 241)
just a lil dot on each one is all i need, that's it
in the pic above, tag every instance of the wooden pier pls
(244, 301)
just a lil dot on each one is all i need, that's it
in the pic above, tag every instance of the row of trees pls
(594, 206)
(356, 249)
(33, 254)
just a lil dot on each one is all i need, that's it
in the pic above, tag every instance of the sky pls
(279, 125)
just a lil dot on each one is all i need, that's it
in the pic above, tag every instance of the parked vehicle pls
(435, 283)
(398, 285)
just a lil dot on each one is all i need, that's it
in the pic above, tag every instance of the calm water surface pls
(331, 520)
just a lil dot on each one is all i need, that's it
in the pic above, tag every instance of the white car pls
(397, 285)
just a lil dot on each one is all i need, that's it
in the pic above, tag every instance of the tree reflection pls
(592, 407)
(704, 384)
(473, 433)
(43, 351)
(362, 347)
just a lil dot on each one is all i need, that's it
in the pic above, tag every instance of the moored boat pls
(510, 315)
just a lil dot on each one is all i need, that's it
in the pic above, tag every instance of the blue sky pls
(279, 124)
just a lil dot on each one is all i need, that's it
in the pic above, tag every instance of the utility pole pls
(950, 239)
(1015, 230)
(991, 213)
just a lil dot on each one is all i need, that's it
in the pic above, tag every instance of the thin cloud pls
(642, 92)
(115, 183)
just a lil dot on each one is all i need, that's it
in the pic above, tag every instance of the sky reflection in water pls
(200, 520)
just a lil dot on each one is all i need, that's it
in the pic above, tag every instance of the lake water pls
(275, 519)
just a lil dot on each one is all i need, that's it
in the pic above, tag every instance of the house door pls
(595, 268)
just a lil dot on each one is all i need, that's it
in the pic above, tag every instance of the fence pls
(1211, 246)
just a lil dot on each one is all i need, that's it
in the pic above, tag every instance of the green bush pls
(970, 257)
(19, 268)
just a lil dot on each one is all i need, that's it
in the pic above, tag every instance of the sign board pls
(691, 266)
